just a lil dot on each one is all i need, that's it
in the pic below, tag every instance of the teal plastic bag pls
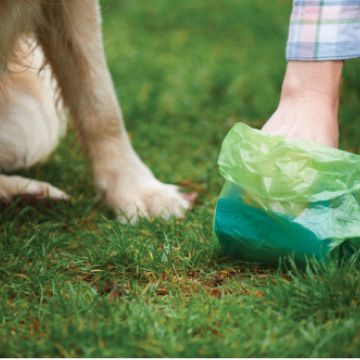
(285, 197)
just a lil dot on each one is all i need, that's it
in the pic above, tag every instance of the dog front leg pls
(72, 42)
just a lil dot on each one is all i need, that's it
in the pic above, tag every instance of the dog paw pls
(28, 190)
(150, 199)
(38, 190)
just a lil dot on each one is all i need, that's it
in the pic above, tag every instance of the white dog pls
(69, 34)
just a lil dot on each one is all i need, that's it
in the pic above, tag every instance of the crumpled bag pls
(285, 197)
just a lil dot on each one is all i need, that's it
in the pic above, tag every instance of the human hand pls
(309, 103)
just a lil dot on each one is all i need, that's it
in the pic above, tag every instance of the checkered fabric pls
(324, 30)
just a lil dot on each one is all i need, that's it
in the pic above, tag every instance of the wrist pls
(314, 80)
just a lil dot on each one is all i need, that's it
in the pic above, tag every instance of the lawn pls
(75, 282)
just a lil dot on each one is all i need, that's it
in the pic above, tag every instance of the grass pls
(74, 282)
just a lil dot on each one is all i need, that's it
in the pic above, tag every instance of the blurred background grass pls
(74, 282)
(185, 72)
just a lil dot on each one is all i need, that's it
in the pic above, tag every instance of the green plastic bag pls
(285, 197)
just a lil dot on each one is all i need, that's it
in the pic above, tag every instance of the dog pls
(47, 45)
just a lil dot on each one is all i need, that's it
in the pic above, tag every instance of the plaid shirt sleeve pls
(324, 30)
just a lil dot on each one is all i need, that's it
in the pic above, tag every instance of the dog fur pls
(70, 41)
